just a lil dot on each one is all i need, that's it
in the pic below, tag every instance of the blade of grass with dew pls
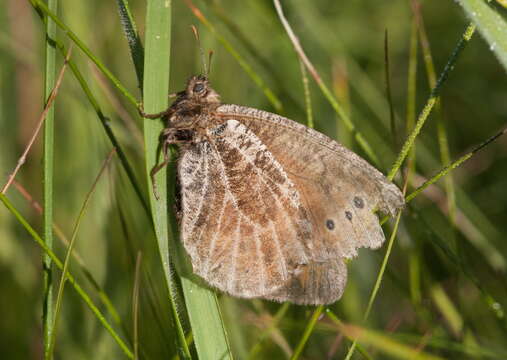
(56, 261)
(133, 39)
(48, 171)
(63, 280)
(202, 306)
(414, 259)
(41, 7)
(156, 88)
(443, 142)
(491, 26)
(444, 171)
(423, 116)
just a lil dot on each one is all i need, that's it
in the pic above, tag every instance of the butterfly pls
(269, 208)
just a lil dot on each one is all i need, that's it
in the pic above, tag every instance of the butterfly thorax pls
(194, 106)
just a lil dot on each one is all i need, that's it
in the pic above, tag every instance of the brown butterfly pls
(270, 208)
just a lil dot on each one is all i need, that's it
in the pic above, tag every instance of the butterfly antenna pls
(210, 56)
(196, 34)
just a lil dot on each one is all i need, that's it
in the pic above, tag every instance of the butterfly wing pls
(259, 222)
(337, 184)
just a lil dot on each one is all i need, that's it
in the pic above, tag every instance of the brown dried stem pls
(50, 101)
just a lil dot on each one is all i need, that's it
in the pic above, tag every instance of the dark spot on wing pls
(348, 215)
(358, 202)
(330, 224)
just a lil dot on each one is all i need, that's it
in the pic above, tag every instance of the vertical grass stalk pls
(48, 156)
(156, 88)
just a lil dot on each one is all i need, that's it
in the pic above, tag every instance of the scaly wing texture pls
(337, 184)
(264, 217)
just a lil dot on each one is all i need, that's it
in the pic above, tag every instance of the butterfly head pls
(197, 99)
(199, 91)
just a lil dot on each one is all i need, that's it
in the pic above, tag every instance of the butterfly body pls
(270, 208)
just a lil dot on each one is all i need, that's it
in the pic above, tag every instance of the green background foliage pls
(444, 289)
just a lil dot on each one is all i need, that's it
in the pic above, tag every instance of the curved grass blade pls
(491, 26)
(41, 7)
(453, 165)
(443, 142)
(70, 277)
(465, 39)
(380, 275)
(327, 93)
(68, 255)
(385, 344)
(308, 331)
(133, 39)
(106, 125)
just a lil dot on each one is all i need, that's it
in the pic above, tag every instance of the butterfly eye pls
(199, 87)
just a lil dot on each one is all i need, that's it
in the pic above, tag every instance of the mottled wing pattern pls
(243, 222)
(336, 184)
(272, 208)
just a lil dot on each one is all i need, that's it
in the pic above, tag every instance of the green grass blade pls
(103, 296)
(202, 305)
(56, 261)
(133, 39)
(323, 87)
(308, 331)
(386, 344)
(48, 161)
(443, 141)
(377, 282)
(465, 38)
(156, 88)
(105, 122)
(491, 26)
(66, 263)
(41, 7)
(455, 164)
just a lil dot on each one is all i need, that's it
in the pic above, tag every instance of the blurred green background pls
(445, 286)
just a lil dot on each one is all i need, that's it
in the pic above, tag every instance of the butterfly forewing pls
(244, 250)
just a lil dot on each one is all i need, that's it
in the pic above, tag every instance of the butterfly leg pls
(167, 137)
(158, 115)
(163, 147)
